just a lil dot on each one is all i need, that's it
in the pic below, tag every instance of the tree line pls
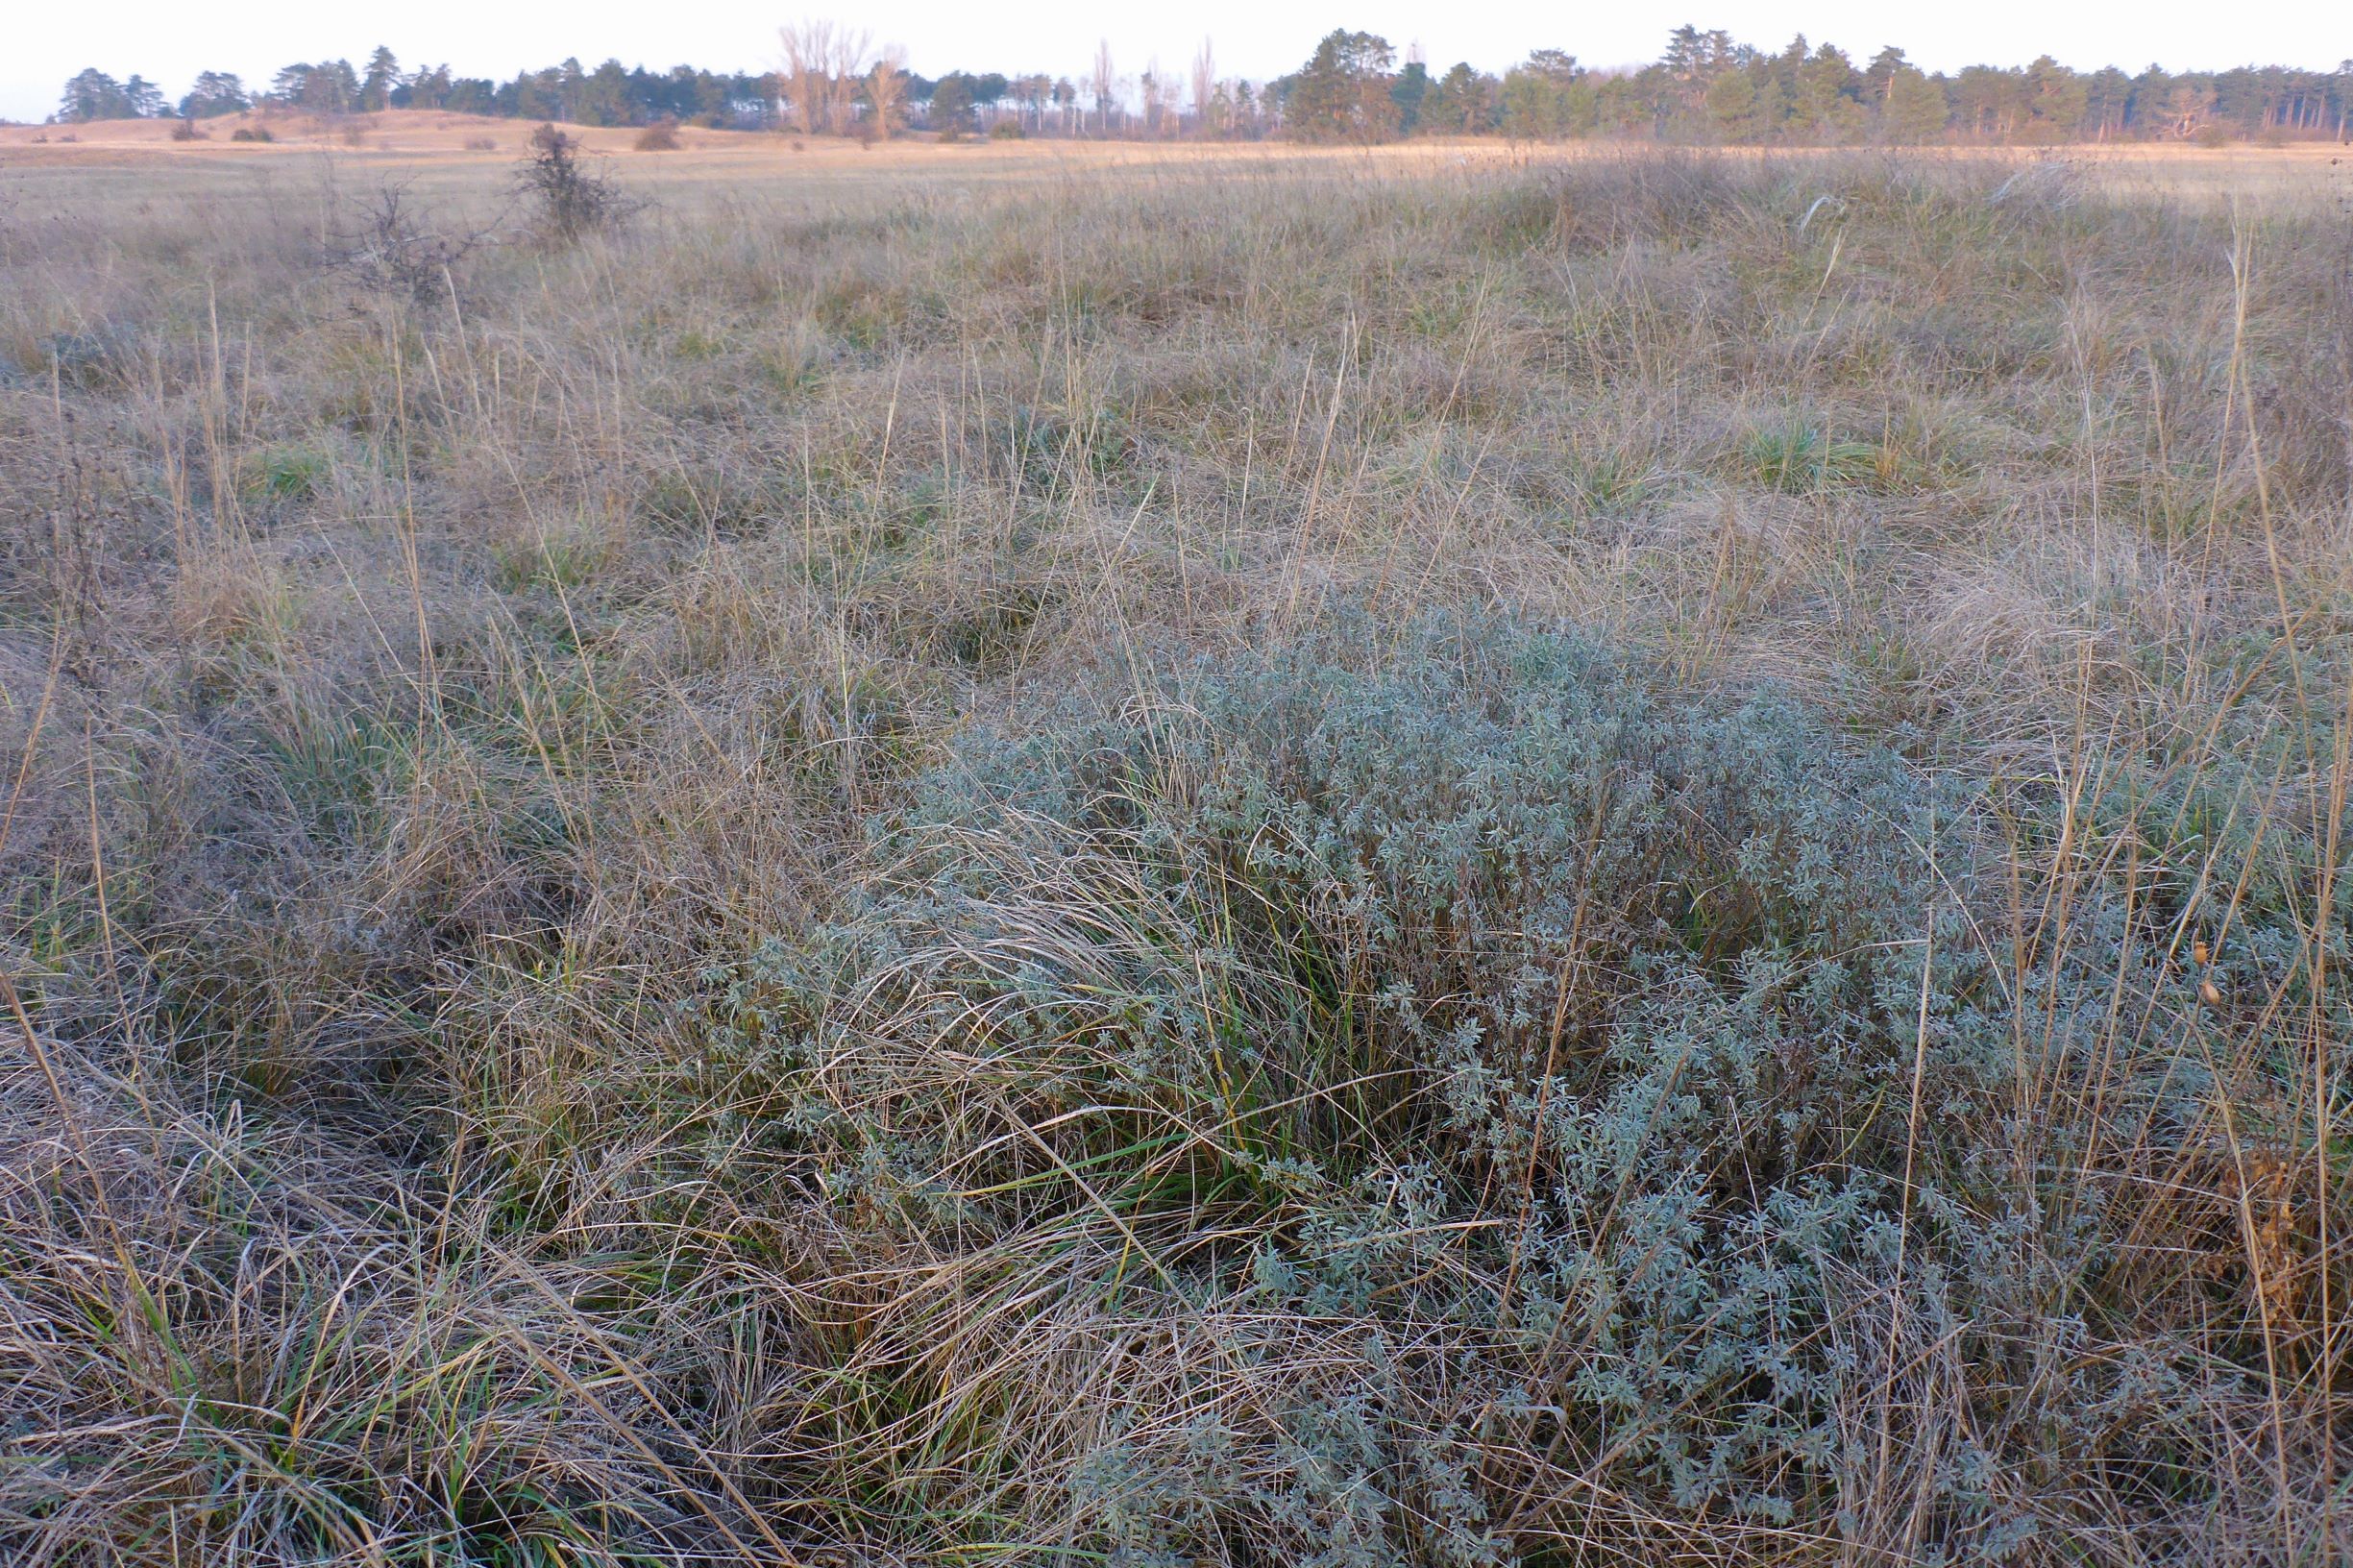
(1707, 88)
(1704, 87)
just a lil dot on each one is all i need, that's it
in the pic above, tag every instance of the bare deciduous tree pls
(808, 47)
(843, 71)
(1153, 103)
(1105, 82)
(1205, 86)
(1034, 92)
(885, 81)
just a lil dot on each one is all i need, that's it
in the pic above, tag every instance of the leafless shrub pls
(390, 246)
(569, 198)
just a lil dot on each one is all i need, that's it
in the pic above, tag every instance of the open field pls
(465, 150)
(1071, 854)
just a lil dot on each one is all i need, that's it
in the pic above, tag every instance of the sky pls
(168, 41)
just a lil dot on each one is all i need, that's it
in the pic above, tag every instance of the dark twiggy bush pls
(388, 247)
(569, 198)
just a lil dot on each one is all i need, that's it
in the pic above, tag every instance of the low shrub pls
(387, 245)
(569, 198)
(1584, 1083)
(661, 137)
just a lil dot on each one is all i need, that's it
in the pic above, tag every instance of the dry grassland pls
(1069, 854)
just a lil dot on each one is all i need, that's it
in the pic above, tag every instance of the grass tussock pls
(1647, 861)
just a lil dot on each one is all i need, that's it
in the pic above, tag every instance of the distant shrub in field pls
(1007, 131)
(570, 199)
(2210, 136)
(187, 130)
(481, 144)
(661, 137)
(252, 133)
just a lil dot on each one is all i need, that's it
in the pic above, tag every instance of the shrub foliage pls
(1522, 1071)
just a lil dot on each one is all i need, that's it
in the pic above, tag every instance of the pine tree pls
(1537, 97)
(376, 87)
(1916, 111)
(214, 92)
(2056, 100)
(1460, 103)
(94, 95)
(1409, 92)
(951, 106)
(1879, 73)
(1732, 101)
(1341, 93)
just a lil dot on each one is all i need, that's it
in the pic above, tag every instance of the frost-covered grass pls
(1293, 862)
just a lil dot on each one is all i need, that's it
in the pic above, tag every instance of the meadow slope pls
(1059, 856)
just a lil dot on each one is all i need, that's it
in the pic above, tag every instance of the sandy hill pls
(394, 130)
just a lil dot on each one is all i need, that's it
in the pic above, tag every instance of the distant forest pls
(1704, 87)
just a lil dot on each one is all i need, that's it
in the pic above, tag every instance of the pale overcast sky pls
(43, 44)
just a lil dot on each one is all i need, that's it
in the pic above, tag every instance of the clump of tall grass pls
(1805, 458)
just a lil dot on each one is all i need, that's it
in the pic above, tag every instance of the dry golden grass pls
(455, 737)
(405, 141)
